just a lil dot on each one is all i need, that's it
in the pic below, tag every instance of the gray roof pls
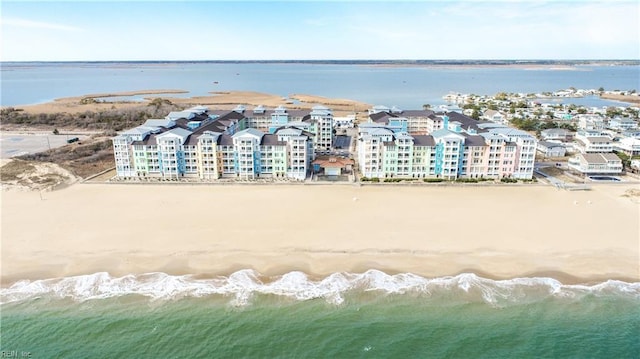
(423, 140)
(417, 113)
(381, 117)
(599, 158)
(466, 121)
(153, 122)
(555, 131)
(225, 140)
(271, 140)
(598, 139)
(474, 140)
(548, 144)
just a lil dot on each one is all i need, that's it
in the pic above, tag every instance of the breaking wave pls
(242, 285)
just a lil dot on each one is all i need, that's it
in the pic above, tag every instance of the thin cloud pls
(24, 23)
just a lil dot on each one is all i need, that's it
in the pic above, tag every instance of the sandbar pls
(218, 100)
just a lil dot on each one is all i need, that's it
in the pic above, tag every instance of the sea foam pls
(244, 284)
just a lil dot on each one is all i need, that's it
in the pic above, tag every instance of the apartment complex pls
(426, 144)
(203, 144)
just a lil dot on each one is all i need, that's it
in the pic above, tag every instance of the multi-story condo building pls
(198, 144)
(318, 121)
(412, 121)
(455, 146)
(322, 118)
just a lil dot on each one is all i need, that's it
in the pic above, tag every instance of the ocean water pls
(345, 315)
(406, 87)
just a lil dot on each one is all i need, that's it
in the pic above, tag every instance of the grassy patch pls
(14, 169)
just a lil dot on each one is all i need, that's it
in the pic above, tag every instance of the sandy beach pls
(494, 231)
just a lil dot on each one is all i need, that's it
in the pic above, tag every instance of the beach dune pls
(209, 230)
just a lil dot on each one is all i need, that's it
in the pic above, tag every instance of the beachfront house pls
(629, 146)
(596, 164)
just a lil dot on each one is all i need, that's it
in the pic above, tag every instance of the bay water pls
(408, 87)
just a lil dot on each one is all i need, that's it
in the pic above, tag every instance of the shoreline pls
(208, 231)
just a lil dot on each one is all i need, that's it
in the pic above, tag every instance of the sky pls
(306, 30)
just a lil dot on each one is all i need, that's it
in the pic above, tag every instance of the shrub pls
(467, 180)
(433, 180)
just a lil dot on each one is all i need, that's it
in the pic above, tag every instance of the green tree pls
(501, 96)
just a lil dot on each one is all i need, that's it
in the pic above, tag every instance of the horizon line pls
(446, 61)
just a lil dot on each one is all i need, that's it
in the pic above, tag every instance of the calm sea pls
(406, 87)
(368, 315)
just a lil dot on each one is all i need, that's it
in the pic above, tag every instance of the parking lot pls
(18, 144)
(342, 142)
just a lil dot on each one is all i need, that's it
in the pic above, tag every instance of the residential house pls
(622, 124)
(596, 163)
(591, 122)
(559, 134)
(551, 149)
(592, 142)
(495, 116)
(630, 146)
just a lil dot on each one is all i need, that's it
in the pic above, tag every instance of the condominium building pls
(412, 121)
(318, 121)
(455, 146)
(199, 144)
